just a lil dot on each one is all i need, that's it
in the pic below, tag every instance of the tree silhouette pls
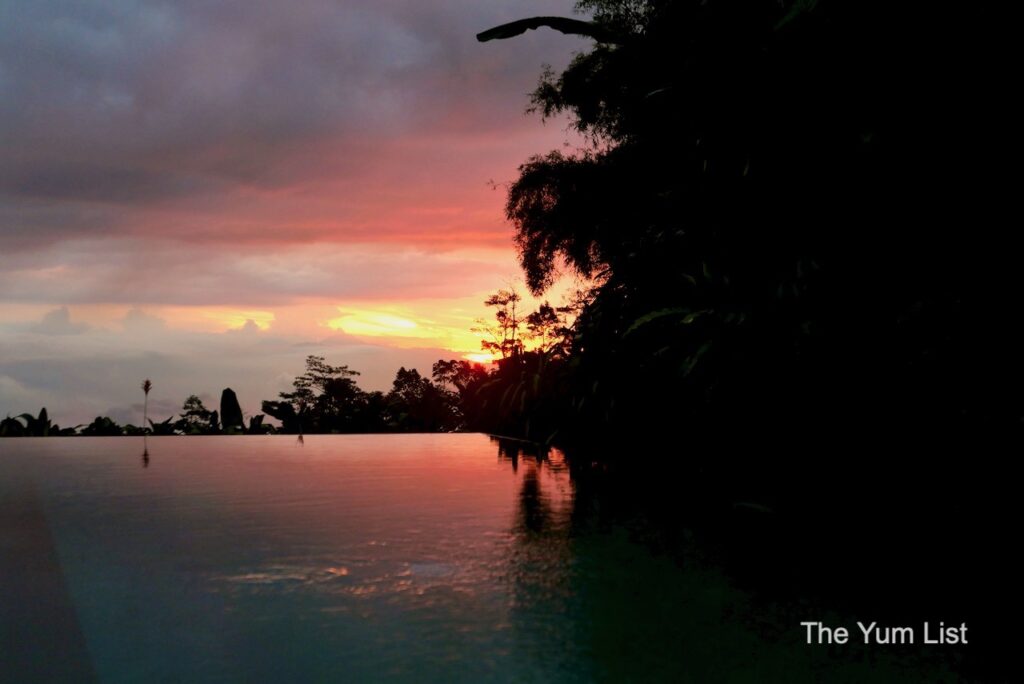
(502, 337)
(146, 386)
(757, 208)
(196, 419)
(102, 427)
(325, 398)
(415, 404)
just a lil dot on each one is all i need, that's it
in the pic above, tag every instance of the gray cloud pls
(138, 320)
(58, 322)
(145, 102)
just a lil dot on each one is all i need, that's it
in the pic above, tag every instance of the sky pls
(204, 193)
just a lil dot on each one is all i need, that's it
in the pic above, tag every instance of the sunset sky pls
(204, 193)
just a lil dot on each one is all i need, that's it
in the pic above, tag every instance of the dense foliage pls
(327, 399)
(784, 213)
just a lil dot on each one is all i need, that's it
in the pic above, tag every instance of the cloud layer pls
(277, 121)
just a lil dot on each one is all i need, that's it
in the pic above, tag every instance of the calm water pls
(421, 558)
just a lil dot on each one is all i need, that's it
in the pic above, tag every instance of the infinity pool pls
(419, 558)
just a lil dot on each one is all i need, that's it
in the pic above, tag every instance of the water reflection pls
(545, 489)
(535, 510)
(401, 558)
(598, 593)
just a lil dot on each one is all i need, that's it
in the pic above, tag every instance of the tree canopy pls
(764, 207)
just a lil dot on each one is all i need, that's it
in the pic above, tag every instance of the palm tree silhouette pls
(146, 386)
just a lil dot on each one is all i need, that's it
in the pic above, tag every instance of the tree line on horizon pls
(326, 399)
(195, 419)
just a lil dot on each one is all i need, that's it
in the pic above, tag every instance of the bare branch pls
(565, 25)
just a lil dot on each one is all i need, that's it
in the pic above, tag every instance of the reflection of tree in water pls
(508, 450)
(597, 593)
(540, 559)
(534, 511)
(545, 494)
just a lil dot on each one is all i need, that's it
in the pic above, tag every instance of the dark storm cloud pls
(144, 103)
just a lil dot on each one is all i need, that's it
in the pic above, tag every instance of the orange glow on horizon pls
(431, 324)
(442, 323)
(481, 357)
(374, 324)
(237, 319)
